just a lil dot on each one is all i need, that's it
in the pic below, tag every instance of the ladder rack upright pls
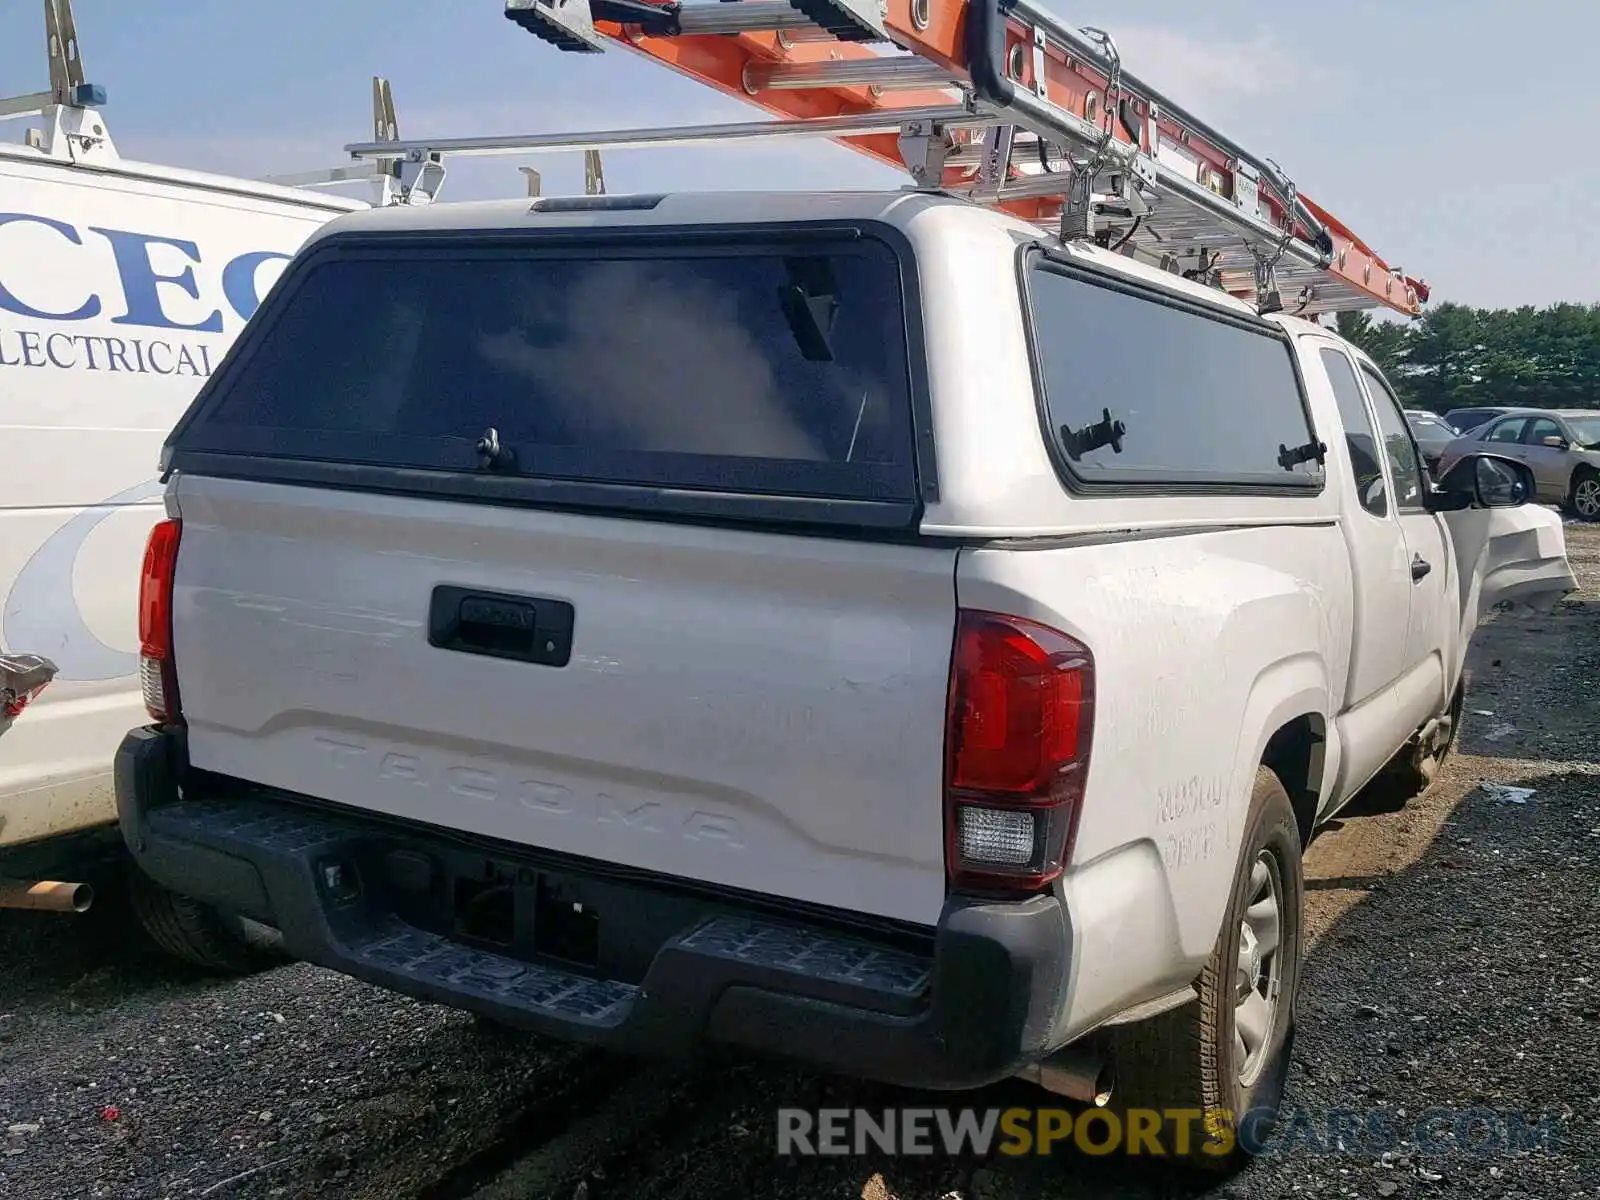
(74, 130)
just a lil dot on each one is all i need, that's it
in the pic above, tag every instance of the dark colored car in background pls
(1433, 434)
(1465, 420)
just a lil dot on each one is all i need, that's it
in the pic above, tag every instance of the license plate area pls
(547, 915)
(595, 926)
(565, 926)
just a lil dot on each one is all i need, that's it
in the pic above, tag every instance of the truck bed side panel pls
(1203, 643)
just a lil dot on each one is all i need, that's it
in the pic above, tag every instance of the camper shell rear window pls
(636, 369)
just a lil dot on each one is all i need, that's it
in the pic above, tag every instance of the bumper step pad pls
(277, 837)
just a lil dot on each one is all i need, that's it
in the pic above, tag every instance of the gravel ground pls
(1455, 965)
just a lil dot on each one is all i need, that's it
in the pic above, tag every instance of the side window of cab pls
(1361, 437)
(1405, 464)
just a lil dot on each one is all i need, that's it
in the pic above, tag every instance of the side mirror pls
(1482, 481)
(1556, 443)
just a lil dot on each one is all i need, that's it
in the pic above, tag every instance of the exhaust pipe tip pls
(1076, 1073)
(46, 895)
(1105, 1083)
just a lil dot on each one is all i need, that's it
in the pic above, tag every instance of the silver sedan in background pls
(1560, 446)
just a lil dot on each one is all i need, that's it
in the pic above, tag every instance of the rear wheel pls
(1225, 1058)
(1583, 497)
(199, 934)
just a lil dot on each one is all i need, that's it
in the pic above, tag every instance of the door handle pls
(1419, 567)
(531, 629)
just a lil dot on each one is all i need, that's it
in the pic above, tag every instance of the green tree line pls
(1459, 357)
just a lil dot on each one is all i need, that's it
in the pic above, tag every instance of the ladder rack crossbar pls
(328, 177)
(890, 121)
(29, 105)
(399, 178)
(64, 62)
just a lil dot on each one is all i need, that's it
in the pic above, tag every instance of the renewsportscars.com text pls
(1018, 1132)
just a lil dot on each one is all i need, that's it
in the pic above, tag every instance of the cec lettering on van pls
(157, 308)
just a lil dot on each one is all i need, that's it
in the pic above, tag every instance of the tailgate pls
(755, 710)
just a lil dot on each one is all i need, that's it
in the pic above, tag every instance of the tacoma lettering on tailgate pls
(650, 813)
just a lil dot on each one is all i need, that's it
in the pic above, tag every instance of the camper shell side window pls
(1146, 390)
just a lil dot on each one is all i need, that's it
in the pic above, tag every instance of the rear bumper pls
(971, 1008)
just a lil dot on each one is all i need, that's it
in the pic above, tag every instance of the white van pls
(121, 286)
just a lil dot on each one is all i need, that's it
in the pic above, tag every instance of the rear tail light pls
(158, 676)
(1020, 722)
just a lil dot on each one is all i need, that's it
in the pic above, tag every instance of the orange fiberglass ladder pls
(995, 100)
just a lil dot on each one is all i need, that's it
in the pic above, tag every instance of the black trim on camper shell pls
(877, 516)
(662, 964)
(1029, 256)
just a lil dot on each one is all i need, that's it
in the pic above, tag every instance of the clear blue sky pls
(1456, 137)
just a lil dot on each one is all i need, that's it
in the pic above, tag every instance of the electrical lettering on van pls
(31, 336)
(154, 279)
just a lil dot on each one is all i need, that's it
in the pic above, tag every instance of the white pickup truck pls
(857, 627)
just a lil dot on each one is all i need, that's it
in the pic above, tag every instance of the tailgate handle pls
(530, 629)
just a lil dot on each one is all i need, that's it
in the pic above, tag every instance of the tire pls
(1583, 496)
(1187, 1059)
(199, 934)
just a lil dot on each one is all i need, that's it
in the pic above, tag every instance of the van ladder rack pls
(996, 100)
(400, 179)
(73, 130)
(74, 127)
